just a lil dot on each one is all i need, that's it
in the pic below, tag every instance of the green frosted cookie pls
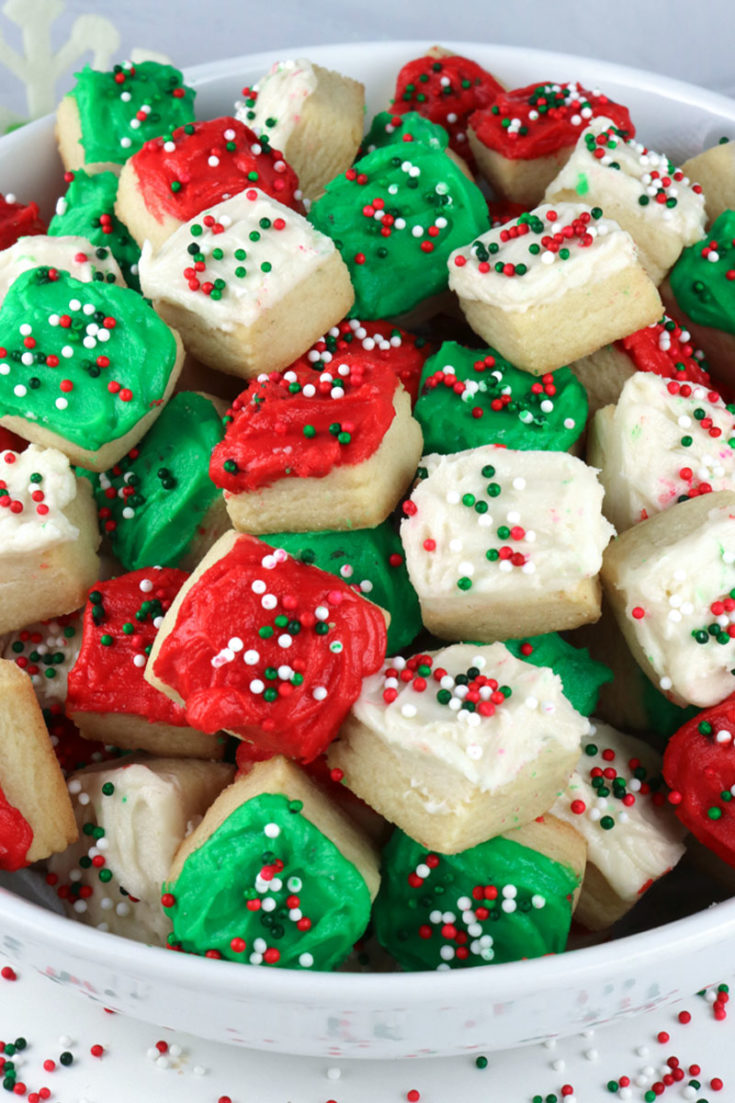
(235, 893)
(425, 208)
(388, 129)
(496, 902)
(85, 361)
(121, 109)
(370, 559)
(700, 279)
(581, 675)
(152, 503)
(472, 397)
(88, 210)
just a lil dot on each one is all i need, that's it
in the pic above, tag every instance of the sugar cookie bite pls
(671, 583)
(395, 216)
(108, 698)
(553, 285)
(662, 443)
(642, 190)
(73, 254)
(108, 116)
(271, 650)
(36, 817)
(308, 449)
(46, 651)
(157, 506)
(87, 209)
(508, 898)
(290, 878)
(457, 745)
(502, 543)
(248, 283)
(132, 817)
(175, 177)
(614, 799)
(48, 537)
(714, 168)
(524, 138)
(85, 368)
(18, 219)
(313, 115)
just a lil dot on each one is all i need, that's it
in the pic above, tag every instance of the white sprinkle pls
(272, 830)
(61, 403)
(145, 585)
(257, 686)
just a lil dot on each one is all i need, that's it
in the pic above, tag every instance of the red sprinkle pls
(7, 973)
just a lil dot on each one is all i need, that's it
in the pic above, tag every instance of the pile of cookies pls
(367, 516)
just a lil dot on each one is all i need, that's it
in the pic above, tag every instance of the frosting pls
(664, 348)
(46, 651)
(87, 209)
(581, 675)
(679, 603)
(235, 261)
(369, 560)
(132, 818)
(278, 891)
(36, 486)
(75, 255)
(72, 750)
(303, 423)
(471, 397)
(663, 442)
(121, 109)
(605, 167)
(614, 800)
(152, 502)
(16, 836)
(85, 360)
(405, 352)
(389, 128)
(17, 219)
(270, 649)
(121, 620)
(273, 108)
(202, 163)
(494, 521)
(445, 89)
(699, 768)
(496, 902)
(701, 280)
(542, 118)
(470, 709)
(540, 256)
(395, 219)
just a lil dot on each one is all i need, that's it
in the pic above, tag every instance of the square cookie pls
(502, 543)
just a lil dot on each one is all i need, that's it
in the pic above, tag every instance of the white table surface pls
(54, 1020)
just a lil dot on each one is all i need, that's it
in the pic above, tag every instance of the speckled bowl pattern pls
(383, 1015)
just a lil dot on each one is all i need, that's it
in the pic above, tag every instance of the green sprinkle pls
(464, 583)
(108, 789)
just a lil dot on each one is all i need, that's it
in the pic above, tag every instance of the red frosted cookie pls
(266, 647)
(308, 449)
(108, 697)
(176, 176)
(18, 220)
(405, 352)
(699, 767)
(445, 88)
(527, 135)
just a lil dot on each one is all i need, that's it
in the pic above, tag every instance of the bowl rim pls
(361, 989)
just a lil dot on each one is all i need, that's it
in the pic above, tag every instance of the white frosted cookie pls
(458, 745)
(671, 584)
(75, 255)
(641, 189)
(663, 442)
(501, 543)
(632, 835)
(312, 115)
(714, 168)
(132, 818)
(250, 284)
(48, 537)
(36, 817)
(553, 285)
(46, 651)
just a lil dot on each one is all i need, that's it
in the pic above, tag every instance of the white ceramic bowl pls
(385, 1015)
